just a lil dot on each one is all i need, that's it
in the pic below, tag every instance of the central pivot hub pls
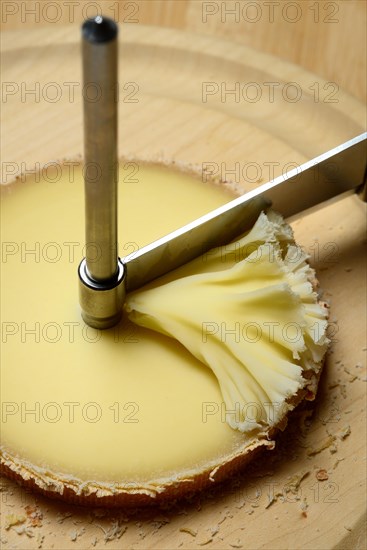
(101, 302)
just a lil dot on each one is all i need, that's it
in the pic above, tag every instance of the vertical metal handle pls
(100, 146)
(101, 273)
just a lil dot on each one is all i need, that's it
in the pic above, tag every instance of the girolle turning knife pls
(104, 283)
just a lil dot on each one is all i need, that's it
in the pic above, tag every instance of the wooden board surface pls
(328, 38)
(166, 72)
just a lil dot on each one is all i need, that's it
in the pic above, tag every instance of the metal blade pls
(337, 173)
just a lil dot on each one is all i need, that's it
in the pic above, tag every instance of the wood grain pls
(278, 502)
(327, 38)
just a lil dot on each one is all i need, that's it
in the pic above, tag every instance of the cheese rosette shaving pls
(249, 312)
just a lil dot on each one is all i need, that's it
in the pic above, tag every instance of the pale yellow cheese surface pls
(120, 405)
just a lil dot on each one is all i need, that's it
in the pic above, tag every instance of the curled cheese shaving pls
(249, 312)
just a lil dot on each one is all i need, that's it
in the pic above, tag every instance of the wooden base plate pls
(202, 100)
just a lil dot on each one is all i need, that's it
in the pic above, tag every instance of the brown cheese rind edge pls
(89, 493)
